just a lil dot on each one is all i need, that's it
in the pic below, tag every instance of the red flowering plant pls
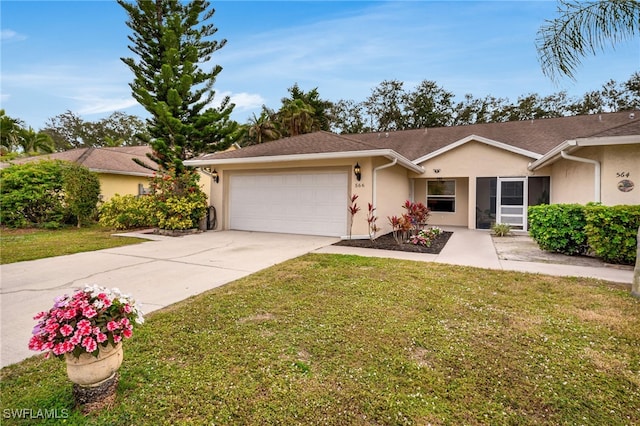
(80, 323)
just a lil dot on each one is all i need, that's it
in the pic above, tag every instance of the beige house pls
(471, 176)
(117, 171)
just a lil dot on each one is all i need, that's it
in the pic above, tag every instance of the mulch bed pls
(387, 242)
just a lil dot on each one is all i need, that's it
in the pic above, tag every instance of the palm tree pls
(263, 128)
(297, 118)
(584, 28)
(34, 143)
(10, 129)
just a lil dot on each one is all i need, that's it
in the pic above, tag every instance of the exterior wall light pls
(358, 172)
(214, 175)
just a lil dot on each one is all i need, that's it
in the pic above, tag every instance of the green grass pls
(347, 340)
(17, 245)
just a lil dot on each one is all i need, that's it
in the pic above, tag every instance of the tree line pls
(389, 107)
(172, 41)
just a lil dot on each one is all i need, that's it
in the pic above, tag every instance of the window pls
(441, 195)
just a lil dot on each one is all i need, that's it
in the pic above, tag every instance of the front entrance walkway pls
(469, 247)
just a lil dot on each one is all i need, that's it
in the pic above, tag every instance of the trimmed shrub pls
(559, 228)
(32, 194)
(128, 212)
(612, 232)
(81, 192)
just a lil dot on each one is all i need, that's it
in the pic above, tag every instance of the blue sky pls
(58, 56)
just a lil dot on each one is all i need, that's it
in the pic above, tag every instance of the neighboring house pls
(117, 171)
(471, 176)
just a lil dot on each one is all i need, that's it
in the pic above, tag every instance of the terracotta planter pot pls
(87, 370)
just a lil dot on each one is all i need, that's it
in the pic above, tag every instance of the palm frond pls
(584, 28)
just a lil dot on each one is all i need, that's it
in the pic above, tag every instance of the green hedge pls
(612, 232)
(559, 228)
(128, 212)
(48, 194)
(608, 232)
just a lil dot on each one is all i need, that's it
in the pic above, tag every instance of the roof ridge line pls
(85, 155)
(352, 140)
(608, 129)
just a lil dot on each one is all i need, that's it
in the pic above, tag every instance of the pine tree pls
(172, 41)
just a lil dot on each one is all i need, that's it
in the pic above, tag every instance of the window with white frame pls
(441, 195)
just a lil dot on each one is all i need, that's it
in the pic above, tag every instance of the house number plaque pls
(625, 185)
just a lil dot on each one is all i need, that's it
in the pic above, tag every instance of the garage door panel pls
(302, 203)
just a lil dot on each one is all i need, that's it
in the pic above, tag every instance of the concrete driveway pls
(156, 273)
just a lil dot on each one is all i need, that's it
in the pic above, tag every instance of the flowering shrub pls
(179, 201)
(410, 223)
(425, 237)
(90, 317)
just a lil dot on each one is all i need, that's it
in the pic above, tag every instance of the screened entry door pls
(512, 202)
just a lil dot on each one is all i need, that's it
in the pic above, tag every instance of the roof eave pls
(388, 153)
(575, 144)
(120, 172)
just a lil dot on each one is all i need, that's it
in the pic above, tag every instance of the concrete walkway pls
(167, 270)
(470, 247)
(156, 273)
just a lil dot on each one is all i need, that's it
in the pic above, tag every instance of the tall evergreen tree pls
(173, 40)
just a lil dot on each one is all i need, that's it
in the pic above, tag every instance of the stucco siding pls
(391, 193)
(476, 159)
(461, 215)
(465, 164)
(574, 182)
(620, 163)
(112, 184)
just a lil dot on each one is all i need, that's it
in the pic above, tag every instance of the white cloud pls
(246, 101)
(102, 105)
(10, 35)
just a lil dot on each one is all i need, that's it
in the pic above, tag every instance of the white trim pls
(116, 172)
(374, 183)
(470, 138)
(573, 144)
(389, 153)
(608, 140)
(435, 197)
(597, 179)
(525, 200)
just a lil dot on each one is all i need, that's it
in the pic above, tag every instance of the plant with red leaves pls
(371, 220)
(353, 210)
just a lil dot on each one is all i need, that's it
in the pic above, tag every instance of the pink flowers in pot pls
(90, 317)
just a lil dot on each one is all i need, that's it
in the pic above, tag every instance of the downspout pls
(597, 171)
(375, 179)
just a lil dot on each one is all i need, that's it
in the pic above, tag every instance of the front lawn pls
(347, 340)
(17, 245)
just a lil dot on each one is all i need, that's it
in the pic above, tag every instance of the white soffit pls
(390, 154)
(575, 144)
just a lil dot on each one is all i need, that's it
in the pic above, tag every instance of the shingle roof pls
(537, 136)
(117, 160)
(309, 143)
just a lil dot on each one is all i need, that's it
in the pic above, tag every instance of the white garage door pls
(293, 203)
